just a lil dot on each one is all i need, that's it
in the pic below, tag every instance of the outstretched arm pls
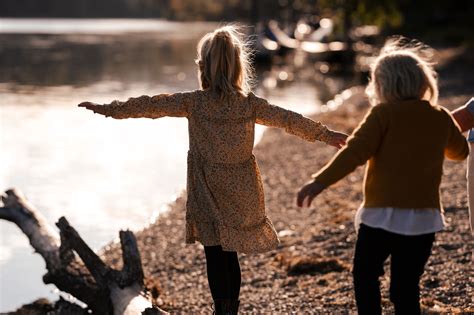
(176, 105)
(362, 145)
(294, 123)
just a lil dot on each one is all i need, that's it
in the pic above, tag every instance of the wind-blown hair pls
(223, 57)
(403, 70)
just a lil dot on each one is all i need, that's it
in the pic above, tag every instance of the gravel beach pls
(310, 270)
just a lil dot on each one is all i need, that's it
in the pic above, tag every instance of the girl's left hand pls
(338, 139)
(309, 191)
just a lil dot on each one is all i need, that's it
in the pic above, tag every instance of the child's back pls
(225, 194)
(222, 130)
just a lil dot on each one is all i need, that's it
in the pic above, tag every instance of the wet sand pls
(310, 271)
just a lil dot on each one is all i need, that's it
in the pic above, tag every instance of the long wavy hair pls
(224, 60)
(403, 70)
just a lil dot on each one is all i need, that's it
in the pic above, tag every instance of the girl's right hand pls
(96, 108)
(337, 139)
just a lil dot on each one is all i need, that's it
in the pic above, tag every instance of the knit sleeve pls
(457, 147)
(175, 105)
(361, 146)
(293, 123)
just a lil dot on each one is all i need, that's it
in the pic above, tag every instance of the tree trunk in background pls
(103, 289)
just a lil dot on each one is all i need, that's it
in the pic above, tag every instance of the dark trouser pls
(223, 273)
(409, 255)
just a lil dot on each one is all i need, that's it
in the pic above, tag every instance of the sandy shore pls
(310, 271)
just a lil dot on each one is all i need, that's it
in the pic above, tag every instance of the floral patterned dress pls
(225, 204)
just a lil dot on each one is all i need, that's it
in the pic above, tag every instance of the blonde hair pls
(402, 71)
(223, 57)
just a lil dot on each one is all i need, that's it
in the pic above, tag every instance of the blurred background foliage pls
(446, 20)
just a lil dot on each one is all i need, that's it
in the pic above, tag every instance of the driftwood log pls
(75, 268)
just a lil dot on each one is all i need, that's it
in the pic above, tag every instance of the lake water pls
(102, 174)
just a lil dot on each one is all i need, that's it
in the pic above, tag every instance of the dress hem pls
(264, 234)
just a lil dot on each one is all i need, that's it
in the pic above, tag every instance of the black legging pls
(223, 273)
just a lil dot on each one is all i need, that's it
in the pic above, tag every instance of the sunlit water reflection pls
(102, 174)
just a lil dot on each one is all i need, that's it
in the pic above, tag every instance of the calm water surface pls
(102, 174)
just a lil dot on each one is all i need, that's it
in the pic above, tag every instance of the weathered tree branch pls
(70, 276)
(104, 289)
(70, 239)
(132, 267)
(33, 224)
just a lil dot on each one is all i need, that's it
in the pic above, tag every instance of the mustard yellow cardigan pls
(405, 144)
